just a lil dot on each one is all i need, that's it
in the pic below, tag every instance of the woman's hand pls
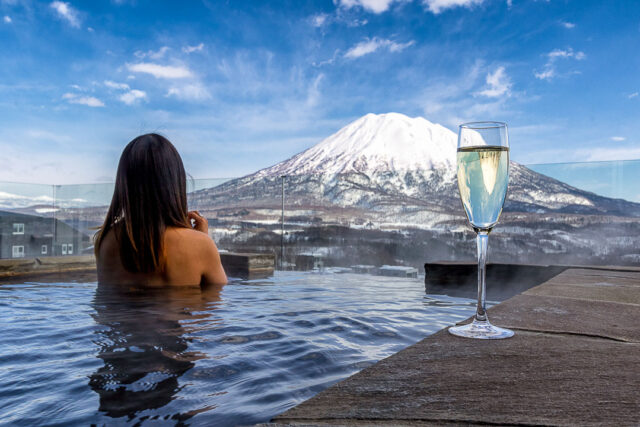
(200, 223)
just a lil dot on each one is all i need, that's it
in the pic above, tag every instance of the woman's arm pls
(212, 270)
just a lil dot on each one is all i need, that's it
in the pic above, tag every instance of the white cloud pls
(191, 49)
(132, 96)
(618, 153)
(190, 92)
(369, 46)
(319, 20)
(632, 95)
(152, 54)
(437, 6)
(546, 74)
(568, 53)
(549, 70)
(66, 12)
(399, 47)
(453, 99)
(567, 24)
(375, 6)
(618, 138)
(90, 29)
(7, 19)
(160, 71)
(498, 84)
(114, 85)
(89, 101)
(314, 94)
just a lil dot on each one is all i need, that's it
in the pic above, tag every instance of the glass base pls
(481, 330)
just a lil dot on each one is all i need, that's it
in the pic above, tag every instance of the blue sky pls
(240, 85)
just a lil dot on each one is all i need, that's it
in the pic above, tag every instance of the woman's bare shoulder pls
(188, 240)
(192, 257)
(186, 235)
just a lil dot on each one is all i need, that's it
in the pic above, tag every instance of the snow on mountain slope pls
(388, 163)
(375, 143)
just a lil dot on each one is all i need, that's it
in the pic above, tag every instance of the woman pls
(147, 237)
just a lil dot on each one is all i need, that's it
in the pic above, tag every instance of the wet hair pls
(150, 195)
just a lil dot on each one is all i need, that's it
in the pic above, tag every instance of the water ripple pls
(79, 354)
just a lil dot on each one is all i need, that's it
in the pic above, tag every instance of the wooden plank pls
(66, 268)
(530, 379)
(572, 361)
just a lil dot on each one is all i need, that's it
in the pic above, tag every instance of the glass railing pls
(391, 223)
(616, 179)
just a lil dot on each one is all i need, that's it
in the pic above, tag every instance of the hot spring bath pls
(76, 354)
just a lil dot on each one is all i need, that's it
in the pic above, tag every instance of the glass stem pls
(482, 241)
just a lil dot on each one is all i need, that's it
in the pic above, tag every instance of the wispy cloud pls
(114, 85)
(129, 96)
(319, 20)
(132, 96)
(450, 100)
(190, 92)
(549, 70)
(160, 71)
(66, 12)
(437, 6)
(369, 46)
(618, 138)
(7, 19)
(498, 84)
(191, 49)
(89, 101)
(567, 24)
(632, 95)
(617, 153)
(152, 54)
(566, 53)
(374, 6)
(314, 94)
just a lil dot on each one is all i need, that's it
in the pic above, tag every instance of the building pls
(31, 236)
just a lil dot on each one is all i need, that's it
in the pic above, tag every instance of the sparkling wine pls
(483, 177)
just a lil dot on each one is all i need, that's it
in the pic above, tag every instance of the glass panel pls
(617, 179)
(26, 221)
(80, 210)
(407, 218)
(578, 213)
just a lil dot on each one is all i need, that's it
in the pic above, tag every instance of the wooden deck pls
(83, 267)
(574, 360)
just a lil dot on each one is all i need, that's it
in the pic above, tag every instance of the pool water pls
(79, 354)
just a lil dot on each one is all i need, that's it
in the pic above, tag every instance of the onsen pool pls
(79, 354)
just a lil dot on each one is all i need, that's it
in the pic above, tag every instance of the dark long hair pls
(150, 195)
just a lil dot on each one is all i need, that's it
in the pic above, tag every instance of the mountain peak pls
(375, 143)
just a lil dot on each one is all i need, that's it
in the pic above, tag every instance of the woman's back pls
(148, 236)
(190, 258)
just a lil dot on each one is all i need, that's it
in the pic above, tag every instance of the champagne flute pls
(483, 177)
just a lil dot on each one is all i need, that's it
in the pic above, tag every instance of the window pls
(43, 250)
(64, 249)
(17, 251)
(18, 228)
(70, 248)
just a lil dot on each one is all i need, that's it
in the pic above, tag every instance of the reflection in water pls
(144, 345)
(183, 356)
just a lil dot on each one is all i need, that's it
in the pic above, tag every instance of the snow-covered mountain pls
(395, 166)
(375, 144)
